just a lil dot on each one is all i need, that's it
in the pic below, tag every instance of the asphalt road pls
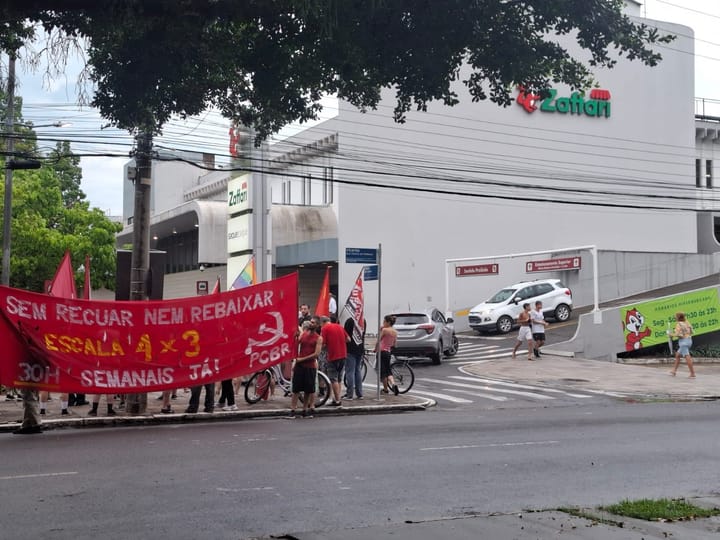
(277, 476)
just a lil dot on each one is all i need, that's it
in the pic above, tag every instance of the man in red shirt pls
(335, 342)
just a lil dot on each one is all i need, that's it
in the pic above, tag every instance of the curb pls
(219, 416)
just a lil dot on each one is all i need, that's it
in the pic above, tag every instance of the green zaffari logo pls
(597, 105)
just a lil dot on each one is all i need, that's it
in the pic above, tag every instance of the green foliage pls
(660, 509)
(267, 63)
(67, 168)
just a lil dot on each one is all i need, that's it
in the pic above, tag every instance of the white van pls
(501, 311)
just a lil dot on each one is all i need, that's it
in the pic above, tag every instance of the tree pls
(43, 229)
(67, 168)
(51, 214)
(266, 63)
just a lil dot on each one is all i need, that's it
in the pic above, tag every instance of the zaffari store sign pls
(597, 104)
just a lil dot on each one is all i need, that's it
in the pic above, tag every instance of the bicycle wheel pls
(258, 386)
(323, 389)
(403, 376)
(363, 368)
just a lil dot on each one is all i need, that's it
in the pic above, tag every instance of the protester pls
(335, 342)
(683, 331)
(44, 397)
(355, 352)
(96, 401)
(538, 327)
(304, 315)
(386, 342)
(304, 374)
(525, 333)
(227, 393)
(194, 402)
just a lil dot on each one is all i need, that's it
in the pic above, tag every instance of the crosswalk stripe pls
(441, 396)
(462, 360)
(476, 394)
(477, 348)
(517, 385)
(499, 390)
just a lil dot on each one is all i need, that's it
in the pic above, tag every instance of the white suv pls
(501, 311)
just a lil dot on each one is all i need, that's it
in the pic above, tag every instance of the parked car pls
(425, 333)
(501, 311)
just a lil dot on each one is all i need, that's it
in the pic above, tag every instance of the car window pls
(501, 296)
(543, 288)
(438, 317)
(411, 319)
(526, 292)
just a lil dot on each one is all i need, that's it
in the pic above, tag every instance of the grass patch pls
(660, 509)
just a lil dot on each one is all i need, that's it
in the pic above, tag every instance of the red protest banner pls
(87, 346)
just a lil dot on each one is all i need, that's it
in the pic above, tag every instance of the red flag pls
(354, 309)
(322, 308)
(63, 284)
(87, 286)
(216, 288)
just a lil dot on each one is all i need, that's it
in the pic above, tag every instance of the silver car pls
(425, 333)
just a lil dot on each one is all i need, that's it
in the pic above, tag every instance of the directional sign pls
(567, 263)
(477, 270)
(370, 273)
(361, 255)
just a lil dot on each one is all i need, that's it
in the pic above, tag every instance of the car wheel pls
(452, 351)
(437, 355)
(562, 313)
(504, 324)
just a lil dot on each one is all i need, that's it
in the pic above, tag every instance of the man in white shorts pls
(525, 333)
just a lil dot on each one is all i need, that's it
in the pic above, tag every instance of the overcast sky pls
(102, 175)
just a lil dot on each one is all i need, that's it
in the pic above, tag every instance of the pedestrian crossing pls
(474, 351)
(466, 389)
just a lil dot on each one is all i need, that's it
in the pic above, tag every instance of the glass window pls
(698, 173)
(708, 173)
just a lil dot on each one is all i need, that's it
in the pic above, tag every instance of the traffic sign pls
(361, 255)
(370, 273)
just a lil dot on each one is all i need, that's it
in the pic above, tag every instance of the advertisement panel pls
(477, 270)
(647, 323)
(238, 194)
(239, 233)
(549, 265)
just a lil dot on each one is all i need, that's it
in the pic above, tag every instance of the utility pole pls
(140, 259)
(31, 420)
(10, 145)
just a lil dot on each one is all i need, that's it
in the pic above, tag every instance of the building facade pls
(615, 168)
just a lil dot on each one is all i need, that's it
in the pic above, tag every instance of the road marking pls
(477, 394)
(238, 490)
(500, 390)
(442, 396)
(38, 475)
(459, 360)
(517, 385)
(491, 445)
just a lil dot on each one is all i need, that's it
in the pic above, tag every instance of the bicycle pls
(262, 383)
(402, 373)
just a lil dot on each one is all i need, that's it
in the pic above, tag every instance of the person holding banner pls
(355, 351)
(683, 331)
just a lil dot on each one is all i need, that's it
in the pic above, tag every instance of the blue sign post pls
(372, 258)
(361, 255)
(370, 273)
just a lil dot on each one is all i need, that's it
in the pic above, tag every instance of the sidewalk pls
(639, 381)
(11, 410)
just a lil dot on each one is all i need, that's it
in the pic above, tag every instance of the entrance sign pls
(361, 255)
(477, 270)
(549, 265)
(101, 347)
